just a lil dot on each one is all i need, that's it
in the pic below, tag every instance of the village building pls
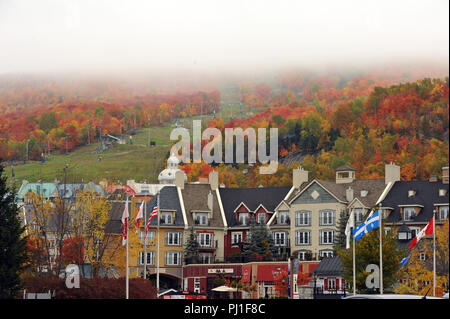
(201, 204)
(242, 206)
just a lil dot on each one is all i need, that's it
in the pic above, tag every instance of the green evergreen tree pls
(191, 248)
(259, 243)
(340, 238)
(13, 254)
(368, 252)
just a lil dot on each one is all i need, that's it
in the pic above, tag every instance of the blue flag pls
(372, 222)
(404, 260)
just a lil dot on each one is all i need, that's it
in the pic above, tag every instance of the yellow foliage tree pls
(417, 276)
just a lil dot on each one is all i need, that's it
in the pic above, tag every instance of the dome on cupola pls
(167, 176)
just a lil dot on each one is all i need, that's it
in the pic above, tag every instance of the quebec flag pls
(372, 222)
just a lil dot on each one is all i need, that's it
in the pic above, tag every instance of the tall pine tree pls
(340, 238)
(191, 248)
(259, 243)
(13, 253)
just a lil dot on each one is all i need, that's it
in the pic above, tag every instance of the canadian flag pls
(139, 215)
(125, 216)
(427, 230)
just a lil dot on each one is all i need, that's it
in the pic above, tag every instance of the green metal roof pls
(45, 189)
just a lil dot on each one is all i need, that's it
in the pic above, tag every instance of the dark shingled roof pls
(345, 168)
(114, 224)
(427, 194)
(169, 200)
(269, 197)
(329, 266)
(195, 197)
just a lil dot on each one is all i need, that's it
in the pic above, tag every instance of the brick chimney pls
(299, 176)
(391, 173)
(445, 175)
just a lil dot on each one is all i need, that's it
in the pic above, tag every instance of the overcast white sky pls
(53, 35)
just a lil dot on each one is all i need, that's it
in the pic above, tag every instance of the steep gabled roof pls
(195, 197)
(427, 194)
(374, 188)
(169, 200)
(269, 197)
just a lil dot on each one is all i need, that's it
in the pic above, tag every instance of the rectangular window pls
(279, 238)
(205, 258)
(261, 218)
(284, 218)
(358, 215)
(409, 213)
(173, 238)
(327, 217)
(150, 258)
(166, 218)
(173, 258)
(303, 218)
(331, 284)
(150, 235)
(443, 212)
(201, 219)
(243, 219)
(204, 239)
(236, 238)
(326, 253)
(302, 237)
(326, 237)
(302, 255)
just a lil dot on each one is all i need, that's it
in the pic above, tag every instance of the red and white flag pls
(427, 230)
(139, 216)
(153, 214)
(125, 217)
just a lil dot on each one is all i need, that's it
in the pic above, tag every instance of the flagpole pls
(126, 280)
(157, 248)
(354, 260)
(145, 238)
(380, 218)
(434, 252)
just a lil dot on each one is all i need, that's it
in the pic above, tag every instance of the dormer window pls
(409, 213)
(358, 215)
(404, 235)
(283, 218)
(243, 219)
(443, 212)
(166, 218)
(442, 192)
(261, 218)
(364, 193)
(201, 219)
(411, 193)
